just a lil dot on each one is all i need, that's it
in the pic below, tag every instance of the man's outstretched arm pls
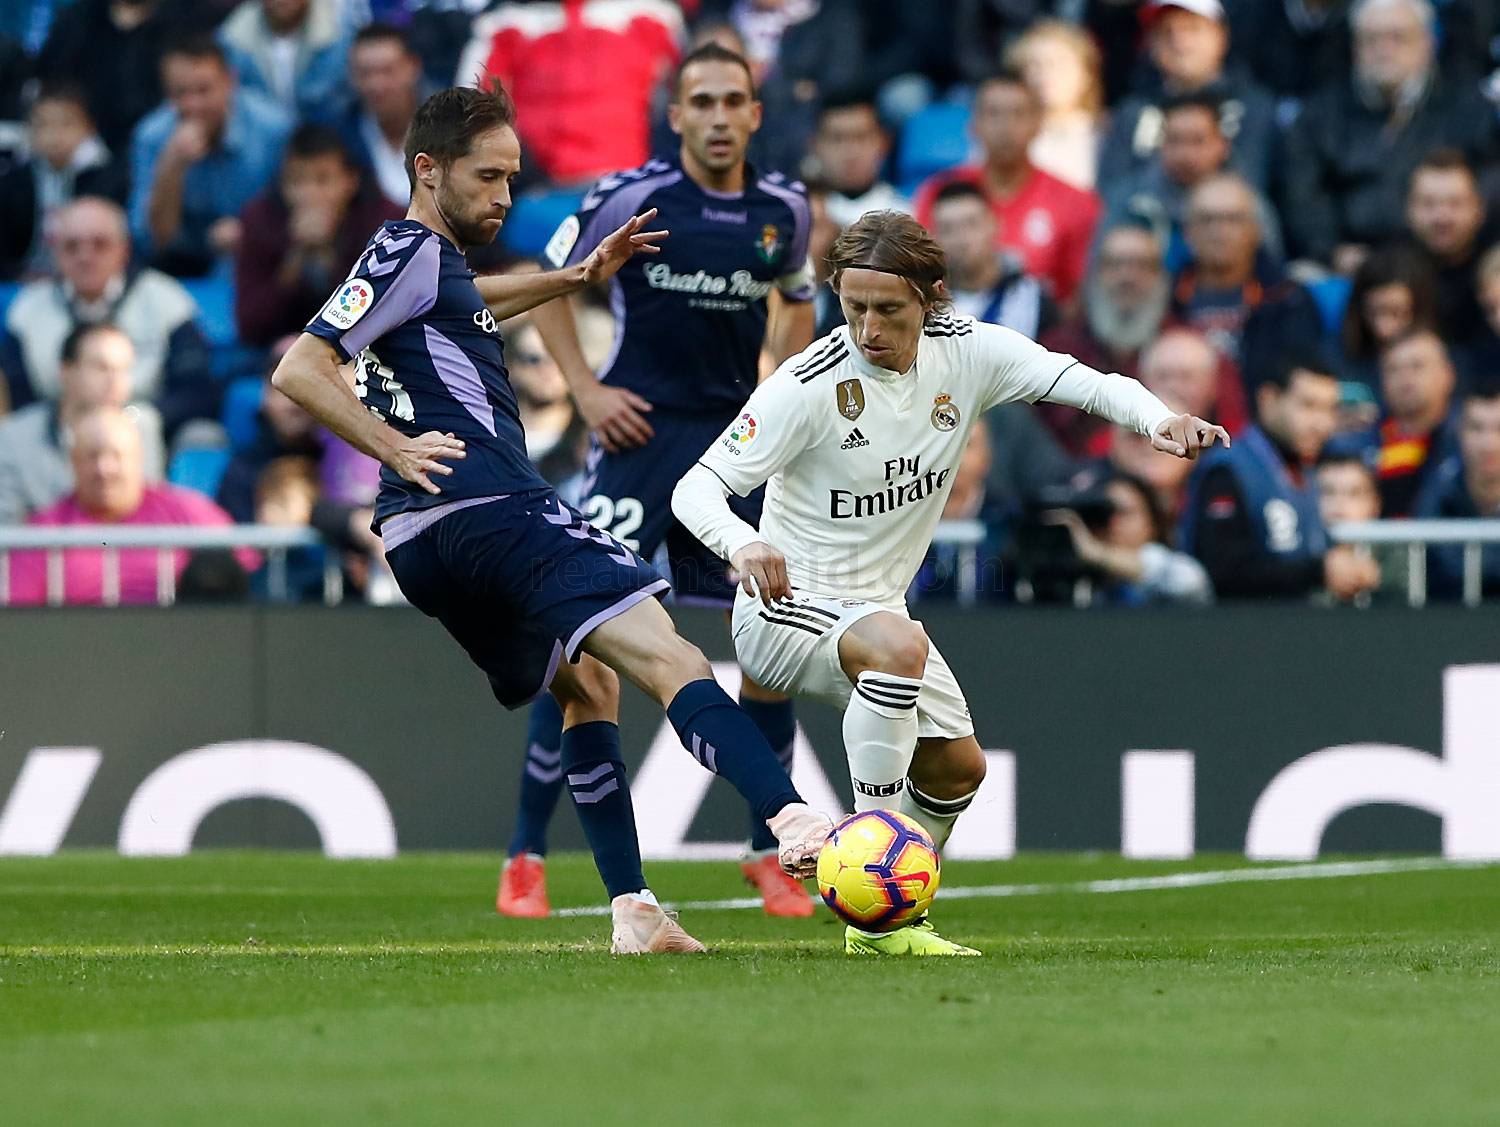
(509, 295)
(309, 374)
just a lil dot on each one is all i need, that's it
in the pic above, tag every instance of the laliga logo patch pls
(770, 242)
(742, 432)
(945, 414)
(561, 244)
(349, 304)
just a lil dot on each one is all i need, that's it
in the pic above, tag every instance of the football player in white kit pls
(857, 438)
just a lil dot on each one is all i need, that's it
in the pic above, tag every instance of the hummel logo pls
(854, 441)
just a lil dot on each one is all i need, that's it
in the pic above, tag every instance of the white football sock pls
(880, 737)
(935, 815)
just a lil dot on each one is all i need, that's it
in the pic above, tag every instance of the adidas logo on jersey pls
(854, 441)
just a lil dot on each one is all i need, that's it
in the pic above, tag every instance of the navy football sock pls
(541, 777)
(726, 741)
(596, 779)
(777, 721)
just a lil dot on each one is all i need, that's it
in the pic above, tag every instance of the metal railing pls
(273, 540)
(965, 535)
(1417, 536)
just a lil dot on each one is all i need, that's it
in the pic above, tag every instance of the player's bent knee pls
(590, 686)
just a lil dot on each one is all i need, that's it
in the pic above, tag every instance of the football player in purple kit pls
(691, 324)
(537, 596)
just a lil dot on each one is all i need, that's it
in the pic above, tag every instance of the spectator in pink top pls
(110, 488)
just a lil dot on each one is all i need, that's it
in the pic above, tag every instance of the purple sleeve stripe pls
(616, 210)
(801, 221)
(412, 293)
(460, 377)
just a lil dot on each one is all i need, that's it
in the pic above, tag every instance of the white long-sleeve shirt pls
(857, 459)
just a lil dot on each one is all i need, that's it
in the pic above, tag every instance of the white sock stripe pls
(589, 797)
(544, 756)
(941, 807)
(705, 752)
(591, 777)
(875, 697)
(542, 774)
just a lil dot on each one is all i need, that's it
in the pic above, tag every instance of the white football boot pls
(641, 927)
(800, 833)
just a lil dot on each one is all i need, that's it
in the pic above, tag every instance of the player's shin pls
(596, 779)
(777, 721)
(541, 777)
(935, 815)
(880, 737)
(726, 741)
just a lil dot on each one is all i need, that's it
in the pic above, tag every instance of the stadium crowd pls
(1283, 215)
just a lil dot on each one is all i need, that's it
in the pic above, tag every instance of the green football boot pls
(914, 939)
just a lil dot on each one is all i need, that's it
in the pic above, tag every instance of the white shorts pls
(793, 648)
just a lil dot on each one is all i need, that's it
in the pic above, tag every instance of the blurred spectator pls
(95, 282)
(1048, 223)
(1062, 65)
(302, 236)
(387, 77)
(1131, 551)
(1125, 299)
(582, 76)
(286, 496)
(1252, 514)
(1446, 215)
(109, 472)
(1347, 492)
(1024, 457)
(556, 436)
(984, 283)
(1132, 453)
(848, 155)
(94, 372)
(1467, 486)
(1484, 355)
(197, 160)
(283, 430)
(939, 573)
(1187, 41)
(1394, 293)
(1417, 431)
(1351, 152)
(1189, 375)
(113, 48)
(1231, 291)
(986, 29)
(1291, 45)
(908, 54)
(294, 52)
(799, 52)
(829, 315)
(1193, 148)
(67, 160)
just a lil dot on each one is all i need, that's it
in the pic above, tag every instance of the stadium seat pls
(214, 294)
(241, 408)
(199, 468)
(533, 219)
(1332, 295)
(934, 138)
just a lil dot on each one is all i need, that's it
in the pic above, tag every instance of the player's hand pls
(762, 570)
(188, 143)
(1348, 572)
(1186, 435)
(415, 458)
(617, 416)
(620, 246)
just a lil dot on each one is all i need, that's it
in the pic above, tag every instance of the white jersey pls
(857, 459)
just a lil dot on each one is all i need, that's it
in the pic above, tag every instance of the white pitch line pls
(1315, 870)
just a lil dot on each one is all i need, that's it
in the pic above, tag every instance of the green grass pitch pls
(233, 988)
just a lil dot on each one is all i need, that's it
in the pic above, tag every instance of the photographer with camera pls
(1119, 532)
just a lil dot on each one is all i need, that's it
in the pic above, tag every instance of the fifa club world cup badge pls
(769, 243)
(945, 414)
(851, 399)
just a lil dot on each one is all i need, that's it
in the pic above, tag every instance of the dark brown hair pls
(447, 123)
(893, 243)
(1398, 264)
(712, 52)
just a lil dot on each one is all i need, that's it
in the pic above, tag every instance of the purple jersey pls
(428, 356)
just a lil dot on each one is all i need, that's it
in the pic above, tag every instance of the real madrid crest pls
(945, 414)
(851, 399)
